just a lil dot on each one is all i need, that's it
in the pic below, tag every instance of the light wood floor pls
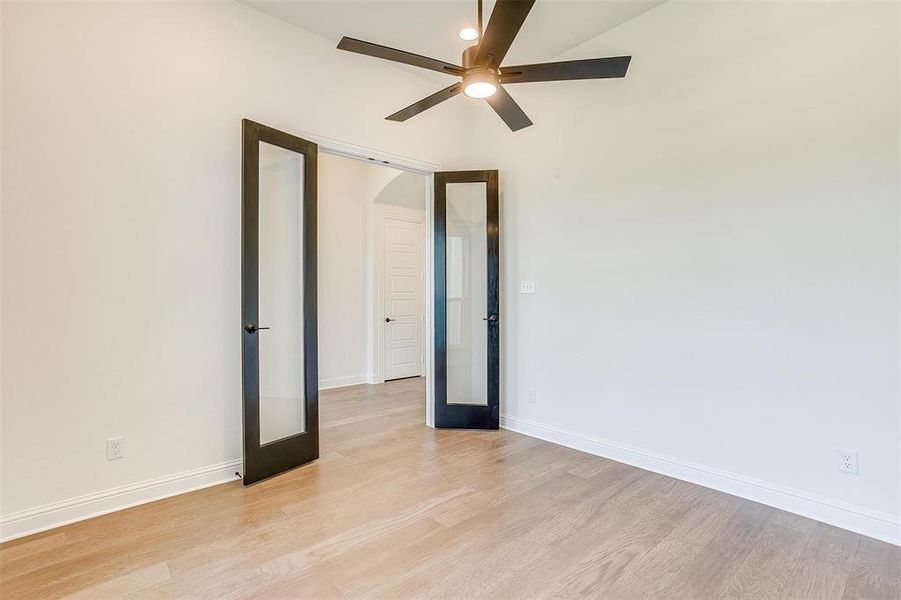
(395, 510)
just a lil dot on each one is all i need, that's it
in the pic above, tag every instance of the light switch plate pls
(526, 287)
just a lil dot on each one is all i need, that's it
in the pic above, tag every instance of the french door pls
(466, 300)
(280, 372)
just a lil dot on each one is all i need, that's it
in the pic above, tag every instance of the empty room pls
(459, 299)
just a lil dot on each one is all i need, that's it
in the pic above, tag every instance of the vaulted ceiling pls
(430, 27)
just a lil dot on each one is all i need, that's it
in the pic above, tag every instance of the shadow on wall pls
(406, 190)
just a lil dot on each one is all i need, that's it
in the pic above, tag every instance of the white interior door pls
(402, 300)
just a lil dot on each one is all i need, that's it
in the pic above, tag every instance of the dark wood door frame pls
(262, 461)
(460, 416)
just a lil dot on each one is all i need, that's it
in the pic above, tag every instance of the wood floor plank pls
(718, 560)
(765, 573)
(632, 525)
(630, 522)
(661, 571)
(124, 585)
(823, 569)
(875, 572)
(30, 546)
(396, 510)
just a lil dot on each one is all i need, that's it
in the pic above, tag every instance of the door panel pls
(279, 349)
(403, 298)
(466, 300)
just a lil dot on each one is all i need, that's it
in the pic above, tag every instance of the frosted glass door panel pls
(467, 276)
(281, 293)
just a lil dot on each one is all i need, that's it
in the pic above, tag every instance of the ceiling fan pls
(482, 74)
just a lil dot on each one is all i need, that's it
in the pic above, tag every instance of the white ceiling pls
(430, 27)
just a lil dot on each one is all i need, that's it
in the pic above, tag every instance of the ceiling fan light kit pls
(482, 75)
(480, 83)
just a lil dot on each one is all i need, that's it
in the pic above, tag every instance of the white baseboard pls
(874, 524)
(854, 518)
(61, 513)
(45, 517)
(327, 384)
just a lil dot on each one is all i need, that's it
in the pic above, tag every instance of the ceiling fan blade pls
(506, 20)
(508, 110)
(407, 58)
(592, 68)
(426, 103)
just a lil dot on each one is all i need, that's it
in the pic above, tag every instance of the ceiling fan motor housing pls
(476, 74)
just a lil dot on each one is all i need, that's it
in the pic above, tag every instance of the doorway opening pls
(373, 263)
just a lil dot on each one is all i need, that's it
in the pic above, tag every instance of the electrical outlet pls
(526, 287)
(115, 448)
(533, 397)
(847, 461)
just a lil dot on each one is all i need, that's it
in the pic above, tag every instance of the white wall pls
(407, 190)
(1, 260)
(714, 241)
(121, 226)
(342, 255)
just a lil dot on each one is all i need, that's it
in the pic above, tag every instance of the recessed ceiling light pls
(469, 34)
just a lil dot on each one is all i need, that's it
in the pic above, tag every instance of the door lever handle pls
(252, 328)
(389, 319)
(491, 319)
